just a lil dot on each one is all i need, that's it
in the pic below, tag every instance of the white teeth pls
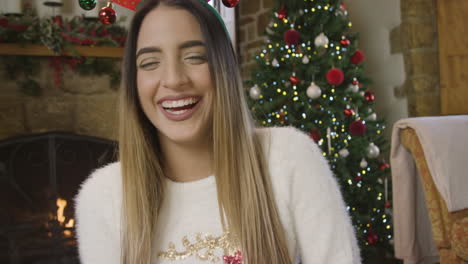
(179, 103)
(176, 112)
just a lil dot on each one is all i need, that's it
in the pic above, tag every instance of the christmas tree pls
(310, 74)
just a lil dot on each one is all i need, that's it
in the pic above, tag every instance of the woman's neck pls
(184, 162)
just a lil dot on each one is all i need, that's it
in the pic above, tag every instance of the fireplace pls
(39, 177)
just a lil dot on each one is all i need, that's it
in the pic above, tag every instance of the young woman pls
(196, 182)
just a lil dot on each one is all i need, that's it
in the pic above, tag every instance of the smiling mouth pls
(179, 107)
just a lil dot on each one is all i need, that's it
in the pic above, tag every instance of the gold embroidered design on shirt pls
(209, 244)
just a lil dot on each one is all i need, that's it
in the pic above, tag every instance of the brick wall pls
(416, 38)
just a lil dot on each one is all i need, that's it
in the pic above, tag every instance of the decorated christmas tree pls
(310, 74)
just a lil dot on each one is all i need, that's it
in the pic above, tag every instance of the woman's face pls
(173, 77)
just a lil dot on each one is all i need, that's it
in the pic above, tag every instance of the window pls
(229, 17)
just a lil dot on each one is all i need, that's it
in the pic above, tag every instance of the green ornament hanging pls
(87, 4)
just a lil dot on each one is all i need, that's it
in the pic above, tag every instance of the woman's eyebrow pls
(191, 43)
(184, 45)
(147, 50)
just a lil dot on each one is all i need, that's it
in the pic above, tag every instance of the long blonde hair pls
(245, 196)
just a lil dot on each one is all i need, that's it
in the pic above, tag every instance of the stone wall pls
(85, 105)
(416, 38)
(254, 16)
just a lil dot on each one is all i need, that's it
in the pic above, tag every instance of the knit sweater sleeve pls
(323, 227)
(94, 209)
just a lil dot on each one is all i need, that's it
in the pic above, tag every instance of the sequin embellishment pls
(204, 248)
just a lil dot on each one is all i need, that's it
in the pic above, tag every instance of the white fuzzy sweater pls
(311, 209)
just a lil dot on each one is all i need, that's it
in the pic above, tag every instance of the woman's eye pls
(197, 59)
(149, 65)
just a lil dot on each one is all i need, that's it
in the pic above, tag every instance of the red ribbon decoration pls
(130, 4)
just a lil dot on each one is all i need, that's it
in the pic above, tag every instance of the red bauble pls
(358, 178)
(291, 37)
(387, 205)
(283, 13)
(57, 20)
(384, 166)
(294, 80)
(357, 57)
(357, 128)
(349, 112)
(345, 42)
(107, 15)
(335, 76)
(372, 237)
(230, 3)
(3, 22)
(315, 134)
(370, 97)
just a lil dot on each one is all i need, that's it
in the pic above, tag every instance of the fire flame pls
(61, 204)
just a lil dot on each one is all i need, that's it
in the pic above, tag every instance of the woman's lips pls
(186, 114)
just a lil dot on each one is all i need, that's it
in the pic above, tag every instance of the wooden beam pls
(39, 50)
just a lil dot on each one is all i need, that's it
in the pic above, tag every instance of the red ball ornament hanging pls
(345, 42)
(372, 237)
(384, 166)
(357, 128)
(230, 3)
(349, 112)
(294, 80)
(107, 14)
(358, 178)
(387, 205)
(315, 134)
(335, 76)
(370, 97)
(282, 13)
(291, 37)
(357, 57)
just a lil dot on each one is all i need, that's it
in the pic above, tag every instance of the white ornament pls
(372, 117)
(362, 93)
(314, 91)
(305, 59)
(344, 153)
(255, 92)
(269, 27)
(321, 40)
(353, 88)
(363, 163)
(380, 181)
(301, 12)
(275, 63)
(373, 151)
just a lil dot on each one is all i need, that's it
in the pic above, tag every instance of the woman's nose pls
(174, 75)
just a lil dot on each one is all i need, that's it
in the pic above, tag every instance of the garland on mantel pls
(58, 34)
